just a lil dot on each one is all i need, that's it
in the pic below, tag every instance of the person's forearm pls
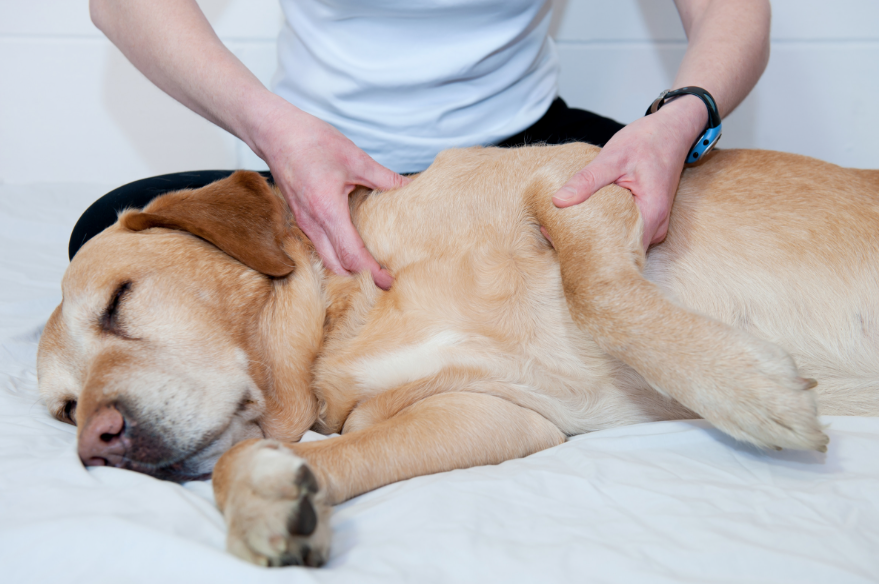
(728, 47)
(172, 43)
(727, 51)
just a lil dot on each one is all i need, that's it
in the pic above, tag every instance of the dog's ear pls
(239, 214)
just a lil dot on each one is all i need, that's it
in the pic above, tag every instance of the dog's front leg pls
(276, 497)
(747, 387)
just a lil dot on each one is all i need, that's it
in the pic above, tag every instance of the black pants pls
(559, 125)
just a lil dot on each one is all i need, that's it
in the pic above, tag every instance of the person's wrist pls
(261, 121)
(687, 115)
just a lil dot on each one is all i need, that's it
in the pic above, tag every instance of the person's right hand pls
(316, 168)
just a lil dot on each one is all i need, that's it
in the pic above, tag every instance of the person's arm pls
(314, 165)
(727, 51)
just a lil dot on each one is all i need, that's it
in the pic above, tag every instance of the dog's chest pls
(482, 315)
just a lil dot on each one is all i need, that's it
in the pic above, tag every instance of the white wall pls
(73, 110)
(819, 95)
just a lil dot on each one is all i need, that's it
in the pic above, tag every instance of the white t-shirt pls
(405, 79)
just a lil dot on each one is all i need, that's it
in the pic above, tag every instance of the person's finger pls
(325, 250)
(355, 258)
(375, 176)
(353, 255)
(340, 260)
(321, 243)
(599, 173)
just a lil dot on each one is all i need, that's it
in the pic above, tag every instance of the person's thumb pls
(586, 182)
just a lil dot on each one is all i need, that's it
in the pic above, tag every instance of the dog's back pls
(787, 248)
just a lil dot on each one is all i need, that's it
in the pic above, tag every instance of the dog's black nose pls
(101, 442)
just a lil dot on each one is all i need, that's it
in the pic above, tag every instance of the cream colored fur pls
(492, 344)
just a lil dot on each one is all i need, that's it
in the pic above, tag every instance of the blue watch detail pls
(705, 143)
(713, 129)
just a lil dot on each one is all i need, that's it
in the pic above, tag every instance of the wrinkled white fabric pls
(662, 502)
(405, 79)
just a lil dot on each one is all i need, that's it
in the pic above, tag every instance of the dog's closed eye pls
(110, 322)
(68, 413)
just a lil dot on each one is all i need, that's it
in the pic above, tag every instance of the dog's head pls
(167, 347)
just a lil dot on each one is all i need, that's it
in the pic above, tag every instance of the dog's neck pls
(304, 310)
(292, 331)
(349, 300)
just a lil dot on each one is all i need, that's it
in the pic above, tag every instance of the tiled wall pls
(73, 109)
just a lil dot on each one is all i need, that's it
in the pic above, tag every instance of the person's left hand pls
(646, 157)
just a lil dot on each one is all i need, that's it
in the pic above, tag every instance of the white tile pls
(248, 19)
(658, 20)
(46, 18)
(814, 99)
(823, 20)
(617, 81)
(76, 110)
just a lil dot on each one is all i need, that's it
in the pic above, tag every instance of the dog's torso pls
(758, 240)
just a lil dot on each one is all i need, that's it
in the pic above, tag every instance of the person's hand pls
(646, 157)
(316, 168)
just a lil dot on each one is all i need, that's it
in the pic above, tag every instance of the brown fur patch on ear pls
(239, 214)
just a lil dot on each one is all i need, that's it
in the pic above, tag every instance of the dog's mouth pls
(178, 472)
(192, 466)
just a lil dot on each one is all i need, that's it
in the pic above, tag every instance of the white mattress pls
(663, 502)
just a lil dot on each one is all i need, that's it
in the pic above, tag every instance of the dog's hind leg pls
(275, 496)
(745, 386)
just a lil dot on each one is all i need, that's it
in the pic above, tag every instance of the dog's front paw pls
(275, 512)
(771, 405)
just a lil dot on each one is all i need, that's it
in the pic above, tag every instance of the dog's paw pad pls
(303, 519)
(305, 480)
(276, 516)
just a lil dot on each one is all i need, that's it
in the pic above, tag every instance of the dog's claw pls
(808, 383)
(765, 402)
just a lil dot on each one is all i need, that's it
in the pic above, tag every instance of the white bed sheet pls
(662, 502)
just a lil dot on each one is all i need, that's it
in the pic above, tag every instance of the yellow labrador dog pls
(202, 334)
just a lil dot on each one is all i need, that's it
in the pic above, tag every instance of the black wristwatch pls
(712, 131)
